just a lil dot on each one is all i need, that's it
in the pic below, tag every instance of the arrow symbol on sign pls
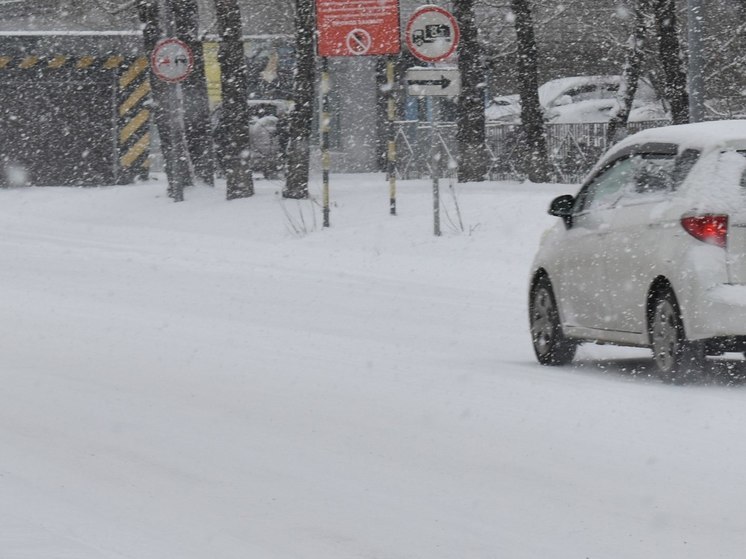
(443, 82)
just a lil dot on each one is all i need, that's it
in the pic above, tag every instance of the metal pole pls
(391, 114)
(695, 16)
(325, 158)
(183, 135)
(178, 152)
(435, 167)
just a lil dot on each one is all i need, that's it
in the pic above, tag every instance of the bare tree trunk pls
(176, 163)
(535, 158)
(234, 125)
(298, 156)
(196, 105)
(672, 60)
(470, 132)
(617, 129)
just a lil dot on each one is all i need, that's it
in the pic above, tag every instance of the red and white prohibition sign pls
(171, 60)
(432, 34)
(358, 42)
(357, 27)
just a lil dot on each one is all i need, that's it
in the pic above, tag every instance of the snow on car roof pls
(702, 136)
(553, 88)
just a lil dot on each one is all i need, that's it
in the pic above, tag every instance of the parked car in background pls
(651, 252)
(581, 99)
(504, 108)
(268, 135)
(593, 98)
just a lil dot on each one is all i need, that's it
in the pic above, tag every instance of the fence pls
(572, 148)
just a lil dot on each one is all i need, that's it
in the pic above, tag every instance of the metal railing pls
(573, 149)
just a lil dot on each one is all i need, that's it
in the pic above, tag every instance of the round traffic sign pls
(432, 33)
(172, 60)
(358, 42)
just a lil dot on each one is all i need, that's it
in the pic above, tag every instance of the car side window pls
(742, 182)
(653, 173)
(656, 175)
(592, 91)
(605, 190)
(684, 163)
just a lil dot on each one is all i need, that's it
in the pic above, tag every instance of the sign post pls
(434, 82)
(353, 28)
(324, 123)
(432, 35)
(391, 133)
(172, 61)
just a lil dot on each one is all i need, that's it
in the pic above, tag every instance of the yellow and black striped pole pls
(324, 125)
(391, 152)
(134, 117)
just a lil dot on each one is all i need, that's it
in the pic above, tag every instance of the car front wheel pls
(550, 345)
(677, 359)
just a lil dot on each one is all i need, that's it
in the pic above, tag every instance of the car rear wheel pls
(550, 345)
(677, 359)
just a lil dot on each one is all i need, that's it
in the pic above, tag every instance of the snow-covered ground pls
(197, 381)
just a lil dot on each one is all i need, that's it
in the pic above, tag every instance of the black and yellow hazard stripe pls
(43, 62)
(134, 119)
(129, 81)
(129, 76)
(133, 92)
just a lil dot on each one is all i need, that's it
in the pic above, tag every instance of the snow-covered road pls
(194, 381)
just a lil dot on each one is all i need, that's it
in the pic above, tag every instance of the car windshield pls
(593, 91)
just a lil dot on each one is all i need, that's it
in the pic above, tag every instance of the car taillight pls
(708, 228)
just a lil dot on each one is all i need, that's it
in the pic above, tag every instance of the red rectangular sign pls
(358, 27)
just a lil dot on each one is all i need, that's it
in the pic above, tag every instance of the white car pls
(594, 99)
(651, 252)
(504, 108)
(580, 99)
(267, 133)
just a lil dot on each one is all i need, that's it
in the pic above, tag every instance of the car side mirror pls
(562, 207)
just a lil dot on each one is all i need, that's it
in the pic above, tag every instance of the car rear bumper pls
(720, 312)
